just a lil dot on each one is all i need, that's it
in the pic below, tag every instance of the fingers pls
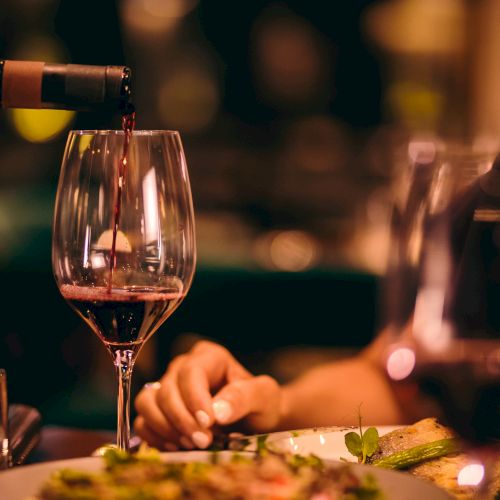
(208, 369)
(173, 441)
(181, 410)
(142, 429)
(170, 402)
(145, 404)
(256, 399)
(194, 388)
(153, 426)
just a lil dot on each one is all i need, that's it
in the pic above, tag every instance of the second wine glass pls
(123, 240)
(444, 295)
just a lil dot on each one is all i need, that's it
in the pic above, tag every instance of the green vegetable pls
(74, 477)
(297, 461)
(364, 444)
(261, 444)
(418, 454)
(114, 457)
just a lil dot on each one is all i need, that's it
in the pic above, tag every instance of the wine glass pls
(444, 294)
(123, 251)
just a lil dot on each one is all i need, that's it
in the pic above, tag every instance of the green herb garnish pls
(364, 444)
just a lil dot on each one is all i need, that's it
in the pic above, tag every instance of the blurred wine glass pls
(443, 297)
(123, 240)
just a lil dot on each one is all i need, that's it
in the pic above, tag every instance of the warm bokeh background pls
(293, 115)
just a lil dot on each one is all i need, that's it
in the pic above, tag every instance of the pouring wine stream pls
(128, 125)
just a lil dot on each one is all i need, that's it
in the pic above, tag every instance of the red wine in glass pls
(125, 317)
(468, 392)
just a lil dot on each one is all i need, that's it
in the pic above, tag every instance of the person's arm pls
(336, 393)
(208, 387)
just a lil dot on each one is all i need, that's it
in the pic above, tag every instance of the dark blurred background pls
(295, 117)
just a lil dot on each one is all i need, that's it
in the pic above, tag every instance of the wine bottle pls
(30, 84)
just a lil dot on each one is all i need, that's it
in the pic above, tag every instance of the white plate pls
(324, 442)
(23, 482)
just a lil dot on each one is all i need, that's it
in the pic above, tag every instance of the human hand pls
(200, 389)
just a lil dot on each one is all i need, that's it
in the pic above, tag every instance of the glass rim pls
(121, 132)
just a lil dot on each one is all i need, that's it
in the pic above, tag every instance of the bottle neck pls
(27, 84)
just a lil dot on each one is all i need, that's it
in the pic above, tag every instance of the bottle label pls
(22, 84)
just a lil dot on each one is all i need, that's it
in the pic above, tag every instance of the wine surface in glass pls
(467, 392)
(123, 317)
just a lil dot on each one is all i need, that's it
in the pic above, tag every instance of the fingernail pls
(222, 410)
(202, 418)
(152, 385)
(170, 446)
(186, 443)
(200, 439)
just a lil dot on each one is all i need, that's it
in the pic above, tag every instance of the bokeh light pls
(400, 363)
(288, 250)
(188, 99)
(40, 125)
(316, 144)
(291, 62)
(40, 47)
(418, 26)
(155, 17)
(418, 105)
(471, 475)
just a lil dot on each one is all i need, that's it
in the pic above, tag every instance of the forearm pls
(334, 393)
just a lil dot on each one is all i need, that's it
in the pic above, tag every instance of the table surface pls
(59, 443)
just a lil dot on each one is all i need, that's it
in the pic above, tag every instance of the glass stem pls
(124, 363)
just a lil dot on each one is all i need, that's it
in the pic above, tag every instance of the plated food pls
(146, 476)
(426, 449)
(443, 469)
(359, 481)
(287, 465)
